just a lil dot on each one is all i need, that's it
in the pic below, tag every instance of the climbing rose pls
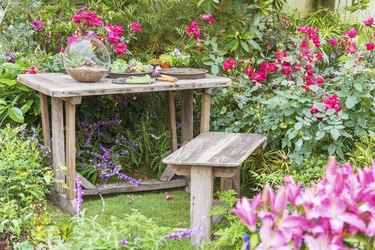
(193, 30)
(205, 17)
(304, 43)
(120, 48)
(333, 42)
(229, 64)
(332, 102)
(319, 57)
(352, 49)
(370, 46)
(369, 21)
(136, 27)
(249, 71)
(287, 70)
(113, 37)
(352, 33)
(32, 70)
(116, 29)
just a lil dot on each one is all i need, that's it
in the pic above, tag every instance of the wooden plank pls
(129, 188)
(237, 182)
(85, 183)
(205, 113)
(60, 200)
(62, 85)
(58, 149)
(187, 116)
(70, 113)
(201, 196)
(216, 149)
(226, 184)
(227, 172)
(72, 100)
(45, 120)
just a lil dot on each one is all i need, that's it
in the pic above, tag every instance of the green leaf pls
(335, 133)
(298, 126)
(319, 135)
(235, 45)
(254, 240)
(351, 101)
(214, 69)
(358, 86)
(245, 46)
(246, 36)
(255, 44)
(16, 114)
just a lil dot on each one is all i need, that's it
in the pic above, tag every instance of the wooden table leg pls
(201, 196)
(205, 113)
(45, 120)
(168, 173)
(70, 112)
(187, 121)
(58, 149)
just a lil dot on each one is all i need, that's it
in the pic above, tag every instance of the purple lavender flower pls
(79, 193)
(246, 240)
(124, 242)
(129, 179)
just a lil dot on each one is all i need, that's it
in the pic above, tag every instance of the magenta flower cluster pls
(193, 29)
(323, 216)
(114, 32)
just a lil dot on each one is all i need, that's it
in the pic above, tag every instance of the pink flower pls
(120, 48)
(116, 29)
(37, 25)
(314, 110)
(259, 76)
(96, 22)
(113, 37)
(369, 21)
(370, 46)
(304, 43)
(352, 49)
(212, 20)
(333, 42)
(193, 30)
(247, 211)
(205, 17)
(332, 102)
(169, 197)
(319, 57)
(62, 50)
(71, 39)
(287, 70)
(249, 71)
(84, 8)
(78, 16)
(229, 63)
(320, 80)
(136, 27)
(352, 33)
(360, 57)
(32, 70)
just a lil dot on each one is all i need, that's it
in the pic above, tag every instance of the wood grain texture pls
(205, 113)
(187, 119)
(60, 200)
(62, 85)
(129, 188)
(85, 183)
(202, 188)
(216, 149)
(58, 149)
(70, 114)
(172, 120)
(45, 120)
(227, 172)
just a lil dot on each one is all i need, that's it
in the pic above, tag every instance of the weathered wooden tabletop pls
(62, 85)
(216, 149)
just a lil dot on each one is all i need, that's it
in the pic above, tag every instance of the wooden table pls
(64, 90)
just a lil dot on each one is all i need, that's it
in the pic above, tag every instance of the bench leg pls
(201, 202)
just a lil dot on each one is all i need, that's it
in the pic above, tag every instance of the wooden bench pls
(209, 155)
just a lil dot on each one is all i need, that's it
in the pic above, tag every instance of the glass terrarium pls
(86, 59)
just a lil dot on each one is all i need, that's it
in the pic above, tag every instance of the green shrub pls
(24, 176)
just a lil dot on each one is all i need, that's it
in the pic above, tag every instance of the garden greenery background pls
(306, 81)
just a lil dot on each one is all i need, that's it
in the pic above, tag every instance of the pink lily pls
(247, 211)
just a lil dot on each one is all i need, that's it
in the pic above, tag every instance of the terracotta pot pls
(165, 66)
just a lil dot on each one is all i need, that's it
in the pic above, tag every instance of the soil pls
(87, 74)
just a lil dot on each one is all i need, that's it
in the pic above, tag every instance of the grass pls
(172, 213)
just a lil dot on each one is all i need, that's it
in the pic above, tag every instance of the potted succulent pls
(166, 61)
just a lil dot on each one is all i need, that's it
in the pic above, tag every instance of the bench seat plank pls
(216, 149)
